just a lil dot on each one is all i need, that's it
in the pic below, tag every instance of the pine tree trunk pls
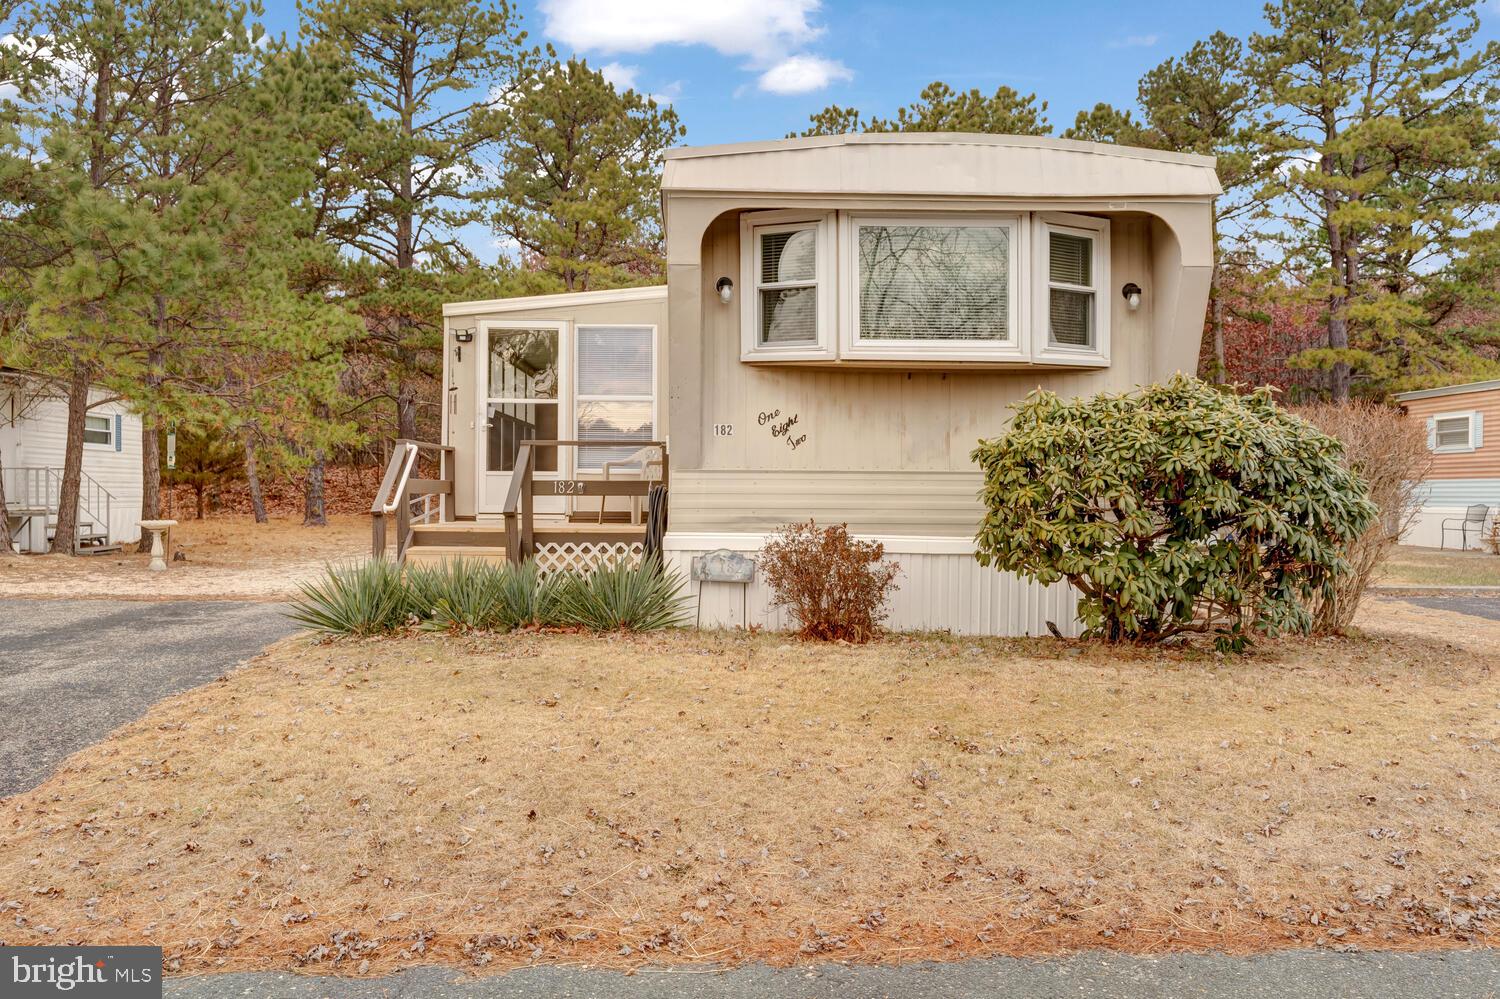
(252, 478)
(406, 408)
(150, 472)
(66, 536)
(6, 541)
(313, 512)
(198, 488)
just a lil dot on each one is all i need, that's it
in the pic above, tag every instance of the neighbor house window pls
(932, 286)
(615, 396)
(1449, 432)
(99, 430)
(788, 305)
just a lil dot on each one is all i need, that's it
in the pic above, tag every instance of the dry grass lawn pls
(228, 556)
(488, 802)
(1432, 567)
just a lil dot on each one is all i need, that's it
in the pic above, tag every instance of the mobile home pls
(843, 318)
(1461, 494)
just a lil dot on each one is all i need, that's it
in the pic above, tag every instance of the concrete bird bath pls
(157, 528)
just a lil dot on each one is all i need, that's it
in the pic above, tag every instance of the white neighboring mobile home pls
(33, 439)
(844, 317)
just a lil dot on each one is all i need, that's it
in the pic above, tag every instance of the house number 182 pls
(723, 429)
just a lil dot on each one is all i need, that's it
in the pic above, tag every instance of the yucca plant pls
(642, 598)
(527, 598)
(460, 595)
(369, 598)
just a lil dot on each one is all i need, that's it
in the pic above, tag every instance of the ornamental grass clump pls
(834, 586)
(621, 597)
(370, 598)
(1178, 508)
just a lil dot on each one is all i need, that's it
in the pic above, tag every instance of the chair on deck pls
(645, 464)
(1473, 517)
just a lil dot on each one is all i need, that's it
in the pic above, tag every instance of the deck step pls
(438, 554)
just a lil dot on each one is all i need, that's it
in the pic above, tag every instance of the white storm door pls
(522, 396)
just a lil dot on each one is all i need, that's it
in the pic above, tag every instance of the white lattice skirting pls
(585, 556)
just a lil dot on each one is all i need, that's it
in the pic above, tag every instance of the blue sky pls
(739, 70)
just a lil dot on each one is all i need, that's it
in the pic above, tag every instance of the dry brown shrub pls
(1389, 451)
(834, 586)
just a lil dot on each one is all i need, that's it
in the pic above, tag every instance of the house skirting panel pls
(941, 588)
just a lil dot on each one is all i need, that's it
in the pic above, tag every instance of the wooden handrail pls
(519, 509)
(398, 488)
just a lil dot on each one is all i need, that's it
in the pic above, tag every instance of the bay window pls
(932, 287)
(978, 287)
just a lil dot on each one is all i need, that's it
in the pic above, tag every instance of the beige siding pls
(934, 504)
(1481, 463)
(894, 437)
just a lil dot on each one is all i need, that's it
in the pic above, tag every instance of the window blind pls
(96, 430)
(620, 427)
(1070, 320)
(614, 360)
(934, 282)
(1453, 431)
(788, 256)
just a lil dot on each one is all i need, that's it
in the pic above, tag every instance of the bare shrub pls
(834, 586)
(1389, 451)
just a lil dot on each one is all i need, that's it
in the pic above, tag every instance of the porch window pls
(615, 395)
(932, 286)
(788, 310)
(99, 430)
(521, 395)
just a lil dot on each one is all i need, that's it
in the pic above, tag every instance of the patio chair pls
(645, 463)
(1473, 517)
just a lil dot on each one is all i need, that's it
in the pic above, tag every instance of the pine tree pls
(431, 75)
(579, 191)
(940, 108)
(1202, 103)
(1383, 114)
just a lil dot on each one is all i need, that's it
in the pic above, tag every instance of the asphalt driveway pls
(1098, 975)
(71, 671)
(1485, 605)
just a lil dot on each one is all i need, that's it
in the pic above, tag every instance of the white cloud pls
(770, 35)
(800, 74)
(761, 29)
(1135, 42)
(620, 76)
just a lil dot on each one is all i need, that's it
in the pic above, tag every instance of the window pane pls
(934, 282)
(789, 315)
(510, 423)
(1453, 431)
(614, 360)
(626, 425)
(523, 364)
(788, 256)
(96, 430)
(1072, 322)
(1071, 259)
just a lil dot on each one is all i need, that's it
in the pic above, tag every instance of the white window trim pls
(581, 397)
(563, 399)
(109, 419)
(752, 225)
(1011, 349)
(1475, 435)
(1097, 230)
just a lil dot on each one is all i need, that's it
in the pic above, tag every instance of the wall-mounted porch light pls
(1132, 293)
(464, 336)
(725, 287)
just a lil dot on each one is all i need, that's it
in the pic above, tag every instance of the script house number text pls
(784, 427)
(569, 487)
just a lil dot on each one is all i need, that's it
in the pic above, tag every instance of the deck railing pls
(408, 498)
(520, 497)
(36, 491)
